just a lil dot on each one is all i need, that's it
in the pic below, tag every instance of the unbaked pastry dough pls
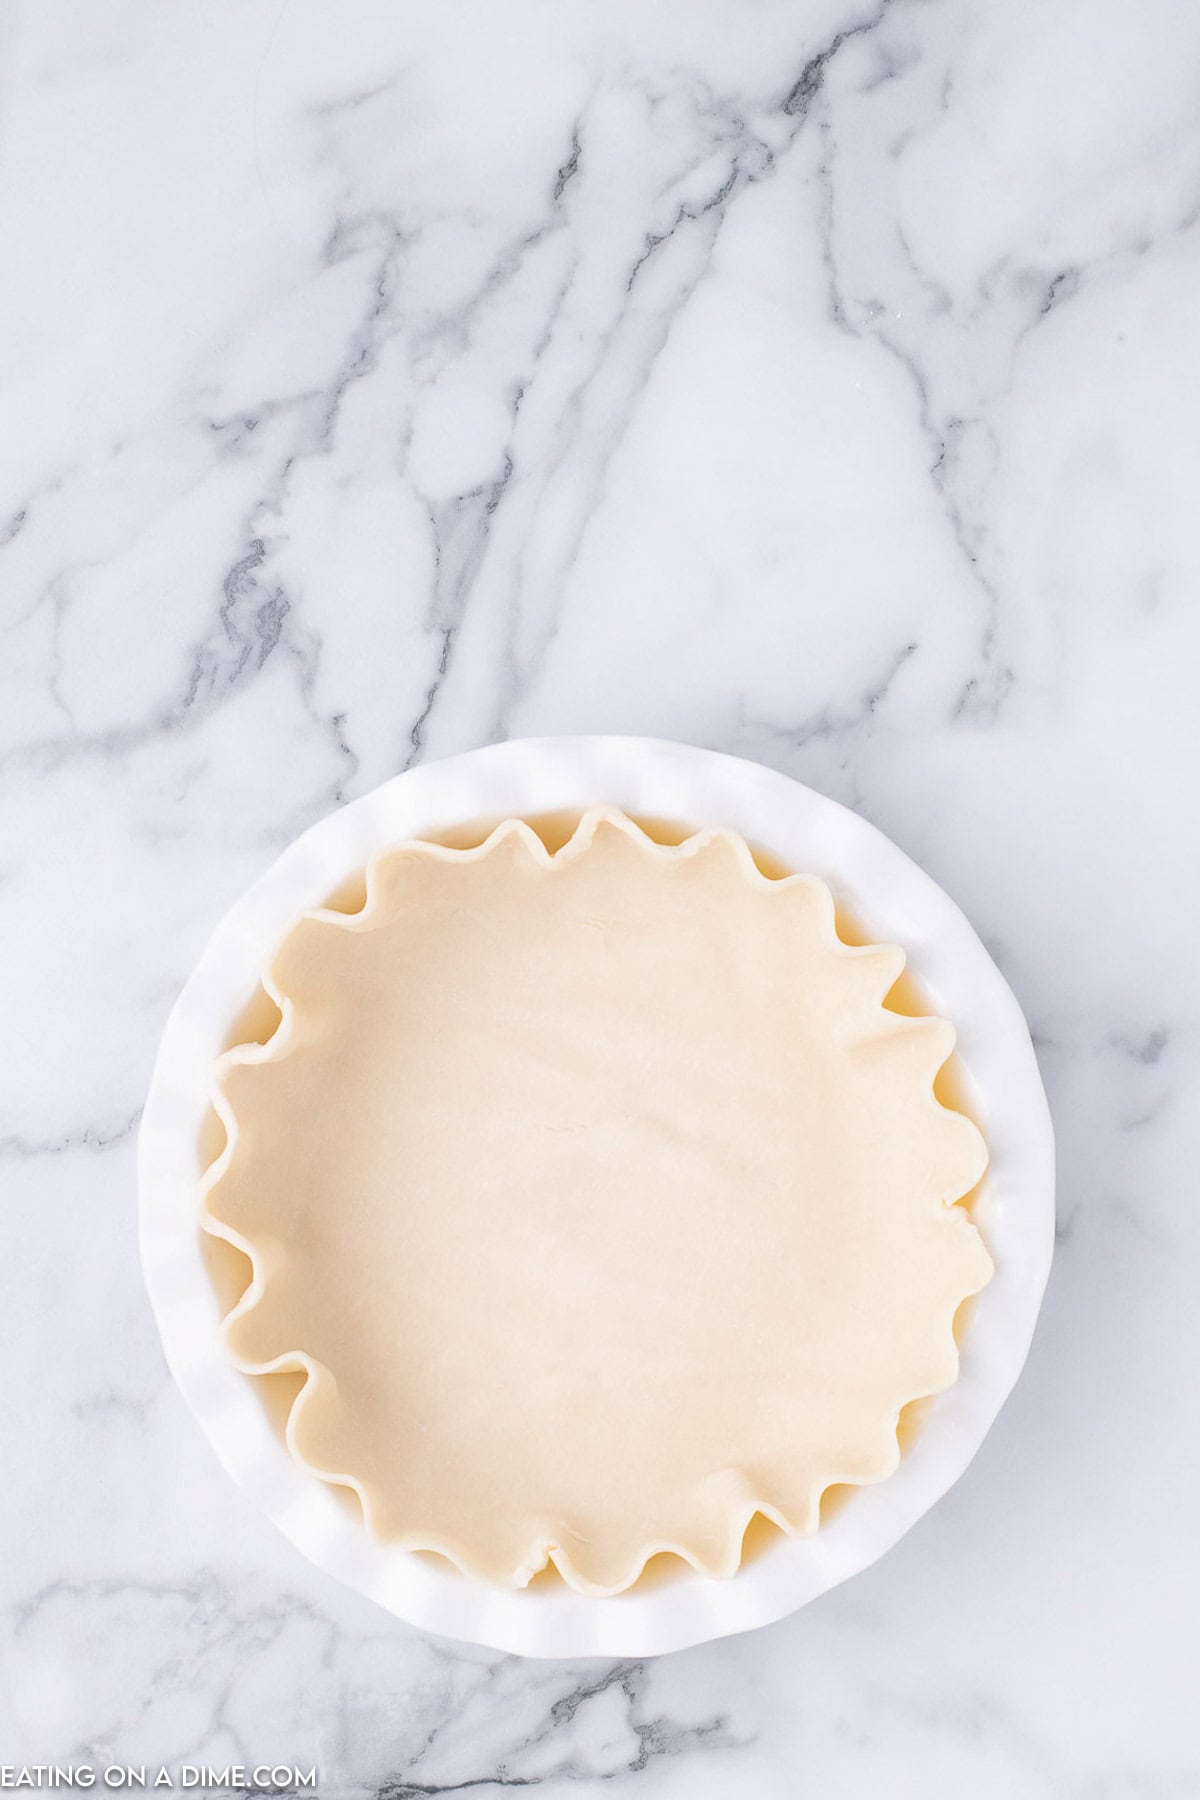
(599, 1198)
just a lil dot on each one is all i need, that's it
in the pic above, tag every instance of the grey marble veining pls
(811, 381)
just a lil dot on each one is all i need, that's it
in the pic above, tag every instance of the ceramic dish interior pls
(797, 829)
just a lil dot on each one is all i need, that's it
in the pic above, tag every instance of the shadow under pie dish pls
(598, 1197)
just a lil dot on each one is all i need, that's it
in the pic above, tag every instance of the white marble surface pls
(812, 381)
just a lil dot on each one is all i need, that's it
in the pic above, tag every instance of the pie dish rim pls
(647, 778)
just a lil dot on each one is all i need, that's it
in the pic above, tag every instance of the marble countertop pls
(808, 380)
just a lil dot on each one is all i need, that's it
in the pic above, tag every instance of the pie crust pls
(597, 1196)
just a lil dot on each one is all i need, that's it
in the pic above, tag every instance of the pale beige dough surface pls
(599, 1196)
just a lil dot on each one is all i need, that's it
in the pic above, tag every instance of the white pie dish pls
(803, 831)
